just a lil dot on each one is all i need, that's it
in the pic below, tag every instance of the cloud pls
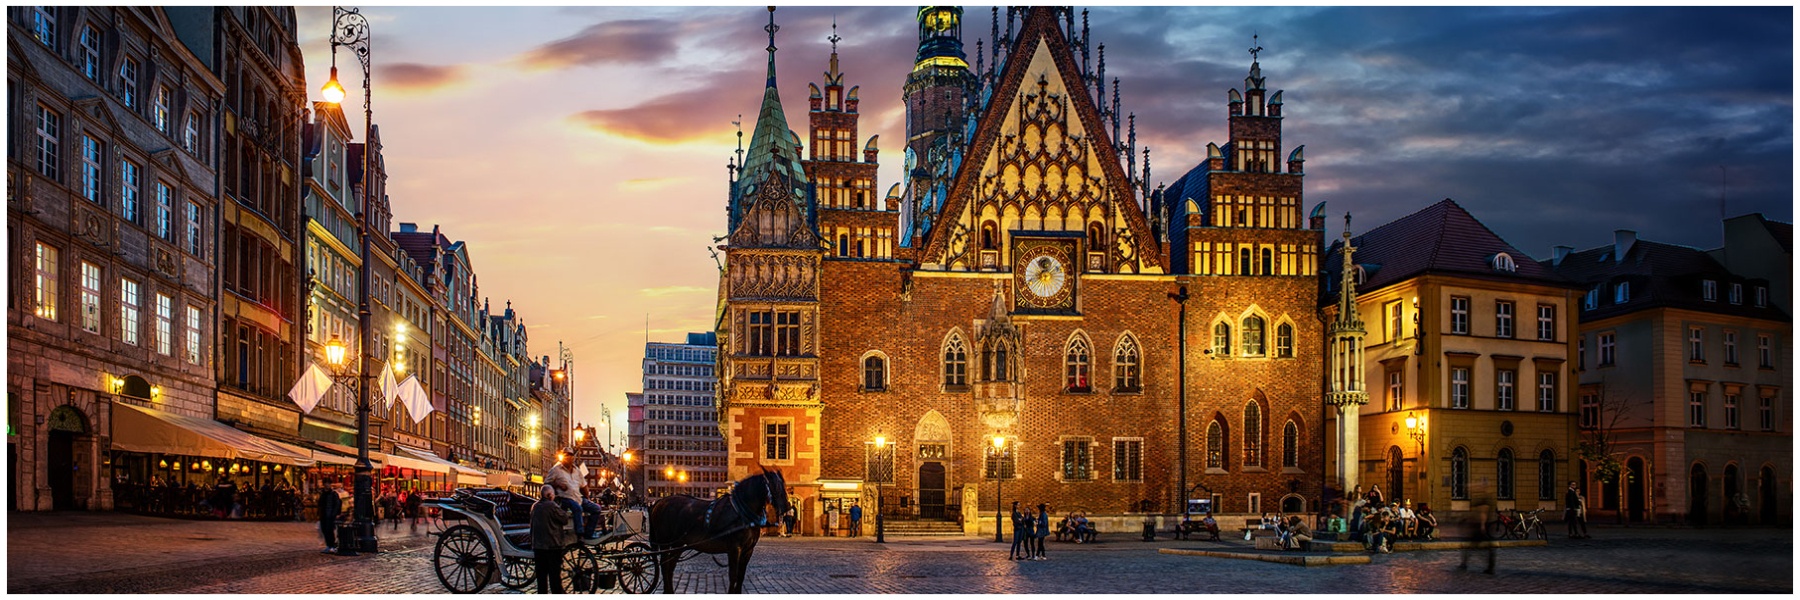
(631, 41)
(674, 118)
(416, 77)
(673, 290)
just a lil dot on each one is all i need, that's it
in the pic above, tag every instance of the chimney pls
(1622, 242)
(1558, 253)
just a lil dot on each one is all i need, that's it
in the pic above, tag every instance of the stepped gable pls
(1040, 34)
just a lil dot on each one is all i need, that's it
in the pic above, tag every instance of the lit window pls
(1076, 365)
(1125, 365)
(1253, 336)
(159, 112)
(90, 297)
(48, 262)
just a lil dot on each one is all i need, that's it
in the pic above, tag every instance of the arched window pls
(956, 362)
(1244, 262)
(1222, 340)
(1215, 446)
(1252, 434)
(1125, 365)
(990, 238)
(1002, 358)
(1096, 238)
(1253, 336)
(1547, 475)
(874, 374)
(1077, 363)
(1268, 261)
(1284, 340)
(1459, 474)
(1503, 474)
(1504, 262)
(1290, 445)
(843, 245)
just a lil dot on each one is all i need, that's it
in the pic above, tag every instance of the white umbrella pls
(311, 387)
(388, 389)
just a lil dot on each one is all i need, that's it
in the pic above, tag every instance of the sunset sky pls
(581, 151)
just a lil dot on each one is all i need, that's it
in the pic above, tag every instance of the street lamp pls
(1180, 296)
(999, 477)
(880, 457)
(1415, 427)
(350, 29)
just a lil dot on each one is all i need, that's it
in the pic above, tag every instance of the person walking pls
(330, 504)
(1479, 520)
(856, 520)
(550, 535)
(415, 507)
(1041, 530)
(1575, 512)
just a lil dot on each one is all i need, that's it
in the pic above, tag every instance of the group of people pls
(404, 505)
(1077, 528)
(1029, 531)
(225, 499)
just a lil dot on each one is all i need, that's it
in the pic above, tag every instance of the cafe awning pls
(148, 430)
(464, 475)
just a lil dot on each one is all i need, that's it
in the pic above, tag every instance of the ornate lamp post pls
(881, 461)
(999, 478)
(350, 29)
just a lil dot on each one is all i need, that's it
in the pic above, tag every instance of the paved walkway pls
(160, 555)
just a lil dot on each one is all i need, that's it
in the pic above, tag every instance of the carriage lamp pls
(580, 434)
(335, 349)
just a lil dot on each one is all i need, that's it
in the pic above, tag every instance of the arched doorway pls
(1634, 488)
(932, 439)
(65, 424)
(1697, 495)
(1735, 512)
(931, 490)
(1396, 474)
(1766, 488)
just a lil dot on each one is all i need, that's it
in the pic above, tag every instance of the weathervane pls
(1255, 47)
(772, 28)
(834, 36)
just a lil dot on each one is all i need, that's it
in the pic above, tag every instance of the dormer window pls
(1709, 290)
(1504, 262)
(1737, 293)
(1621, 292)
(1762, 296)
(1592, 300)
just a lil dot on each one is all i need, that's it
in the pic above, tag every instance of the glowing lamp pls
(334, 349)
(333, 91)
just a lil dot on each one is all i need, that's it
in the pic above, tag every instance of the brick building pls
(1023, 328)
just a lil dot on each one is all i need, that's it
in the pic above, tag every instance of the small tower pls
(934, 95)
(852, 219)
(1347, 395)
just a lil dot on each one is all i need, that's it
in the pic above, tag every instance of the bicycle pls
(1518, 525)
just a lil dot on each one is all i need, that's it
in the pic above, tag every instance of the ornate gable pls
(1041, 161)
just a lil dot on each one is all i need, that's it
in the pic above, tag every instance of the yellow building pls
(1467, 358)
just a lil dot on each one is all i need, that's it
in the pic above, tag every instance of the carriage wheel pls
(517, 573)
(637, 569)
(464, 560)
(579, 571)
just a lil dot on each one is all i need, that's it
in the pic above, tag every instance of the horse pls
(729, 525)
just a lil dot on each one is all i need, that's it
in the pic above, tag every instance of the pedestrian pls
(791, 519)
(1041, 530)
(1021, 531)
(1575, 512)
(329, 506)
(550, 535)
(415, 505)
(562, 478)
(856, 520)
(1479, 520)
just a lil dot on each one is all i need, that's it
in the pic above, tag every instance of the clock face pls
(1044, 276)
(1042, 281)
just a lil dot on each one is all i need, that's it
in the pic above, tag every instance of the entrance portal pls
(931, 490)
(1767, 489)
(1634, 488)
(1396, 479)
(65, 424)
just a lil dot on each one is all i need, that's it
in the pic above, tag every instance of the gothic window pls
(1268, 261)
(1459, 474)
(990, 237)
(1125, 366)
(1215, 445)
(1503, 474)
(874, 374)
(1252, 434)
(956, 362)
(843, 245)
(1284, 340)
(1244, 262)
(1096, 238)
(1077, 364)
(1253, 336)
(1290, 445)
(1222, 340)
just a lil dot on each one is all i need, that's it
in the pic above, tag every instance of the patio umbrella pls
(311, 387)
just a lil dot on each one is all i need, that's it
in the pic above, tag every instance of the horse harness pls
(762, 517)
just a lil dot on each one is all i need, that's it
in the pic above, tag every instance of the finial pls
(772, 28)
(1255, 47)
(834, 36)
(1346, 229)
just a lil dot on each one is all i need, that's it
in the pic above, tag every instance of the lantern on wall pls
(265, 468)
(207, 464)
(163, 464)
(194, 467)
(277, 468)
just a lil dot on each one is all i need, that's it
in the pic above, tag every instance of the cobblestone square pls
(57, 553)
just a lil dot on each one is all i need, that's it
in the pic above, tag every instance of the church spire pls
(774, 156)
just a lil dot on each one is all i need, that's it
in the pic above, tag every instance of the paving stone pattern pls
(1617, 561)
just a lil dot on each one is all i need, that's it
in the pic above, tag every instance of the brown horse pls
(728, 525)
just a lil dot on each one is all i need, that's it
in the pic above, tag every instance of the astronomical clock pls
(1044, 275)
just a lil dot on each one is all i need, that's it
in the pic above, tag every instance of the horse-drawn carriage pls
(494, 538)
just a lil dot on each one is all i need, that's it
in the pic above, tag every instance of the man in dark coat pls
(549, 536)
(330, 504)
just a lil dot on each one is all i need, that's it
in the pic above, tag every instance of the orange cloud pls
(415, 77)
(671, 119)
(642, 41)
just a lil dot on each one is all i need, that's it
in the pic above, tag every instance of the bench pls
(1266, 539)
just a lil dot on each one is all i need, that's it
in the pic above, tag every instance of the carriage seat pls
(509, 509)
